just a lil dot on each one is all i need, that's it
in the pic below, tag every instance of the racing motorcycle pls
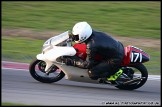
(48, 66)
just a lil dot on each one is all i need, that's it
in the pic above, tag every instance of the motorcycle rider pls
(98, 43)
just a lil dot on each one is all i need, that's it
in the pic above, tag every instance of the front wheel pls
(139, 71)
(37, 68)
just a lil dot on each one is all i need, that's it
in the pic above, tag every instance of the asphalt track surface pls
(19, 87)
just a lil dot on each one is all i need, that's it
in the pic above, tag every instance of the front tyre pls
(139, 70)
(37, 68)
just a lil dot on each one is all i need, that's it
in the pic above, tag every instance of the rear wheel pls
(37, 71)
(140, 71)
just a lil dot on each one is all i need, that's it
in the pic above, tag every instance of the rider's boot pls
(115, 76)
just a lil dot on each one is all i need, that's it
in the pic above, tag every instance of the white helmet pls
(81, 31)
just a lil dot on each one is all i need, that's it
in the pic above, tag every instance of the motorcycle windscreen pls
(57, 39)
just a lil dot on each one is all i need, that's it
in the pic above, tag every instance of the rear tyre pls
(37, 68)
(143, 73)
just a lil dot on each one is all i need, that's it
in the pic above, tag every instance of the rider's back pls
(104, 45)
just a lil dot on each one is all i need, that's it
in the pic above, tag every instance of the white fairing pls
(75, 73)
(51, 51)
(56, 52)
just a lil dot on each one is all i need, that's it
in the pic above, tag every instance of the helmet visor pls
(75, 37)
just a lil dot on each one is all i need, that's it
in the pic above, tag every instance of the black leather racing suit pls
(111, 51)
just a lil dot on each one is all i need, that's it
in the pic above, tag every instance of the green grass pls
(153, 66)
(20, 49)
(12, 104)
(24, 49)
(125, 18)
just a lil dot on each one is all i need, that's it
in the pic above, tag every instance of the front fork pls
(48, 63)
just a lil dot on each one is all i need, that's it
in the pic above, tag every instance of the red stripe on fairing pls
(140, 51)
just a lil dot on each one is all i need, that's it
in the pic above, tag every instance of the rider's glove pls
(69, 61)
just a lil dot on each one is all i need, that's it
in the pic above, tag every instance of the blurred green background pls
(27, 24)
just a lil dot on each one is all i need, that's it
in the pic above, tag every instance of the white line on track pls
(14, 62)
(15, 69)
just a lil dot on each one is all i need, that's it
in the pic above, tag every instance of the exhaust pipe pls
(134, 80)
